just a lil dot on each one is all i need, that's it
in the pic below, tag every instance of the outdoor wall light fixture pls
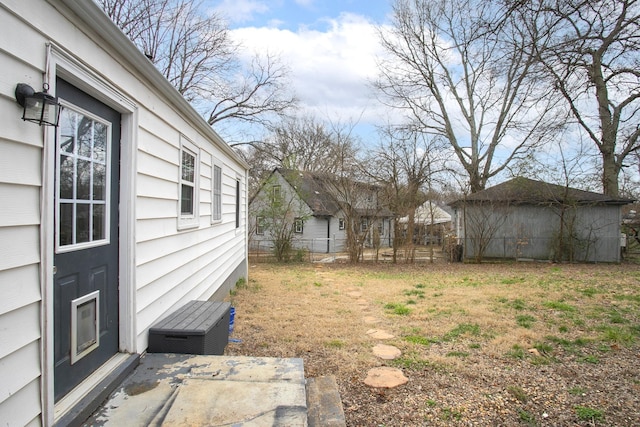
(39, 107)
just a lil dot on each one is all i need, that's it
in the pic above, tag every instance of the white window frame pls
(276, 192)
(60, 248)
(191, 220)
(216, 194)
(298, 226)
(260, 226)
(340, 223)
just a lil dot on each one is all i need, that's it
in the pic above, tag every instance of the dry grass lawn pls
(492, 344)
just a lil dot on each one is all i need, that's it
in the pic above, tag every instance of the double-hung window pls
(189, 180)
(260, 226)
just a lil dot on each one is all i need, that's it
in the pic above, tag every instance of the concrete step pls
(191, 390)
(324, 406)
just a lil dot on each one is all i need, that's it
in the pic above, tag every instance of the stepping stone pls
(371, 320)
(355, 294)
(386, 352)
(379, 334)
(385, 377)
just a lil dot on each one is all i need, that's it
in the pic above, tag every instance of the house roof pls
(428, 211)
(315, 189)
(522, 190)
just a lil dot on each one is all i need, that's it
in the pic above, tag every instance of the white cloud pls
(330, 69)
(241, 10)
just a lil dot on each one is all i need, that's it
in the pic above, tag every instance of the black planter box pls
(199, 327)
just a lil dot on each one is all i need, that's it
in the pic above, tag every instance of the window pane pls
(99, 220)
(67, 131)
(85, 135)
(237, 204)
(186, 203)
(84, 180)
(188, 166)
(66, 224)
(99, 182)
(66, 177)
(82, 223)
(217, 190)
(99, 142)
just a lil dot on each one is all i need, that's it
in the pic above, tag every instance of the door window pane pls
(82, 223)
(98, 222)
(66, 224)
(82, 179)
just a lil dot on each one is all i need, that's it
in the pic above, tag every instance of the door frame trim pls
(60, 63)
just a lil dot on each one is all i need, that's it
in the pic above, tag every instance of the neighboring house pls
(528, 219)
(431, 221)
(321, 207)
(127, 210)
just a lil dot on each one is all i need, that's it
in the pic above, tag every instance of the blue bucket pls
(232, 315)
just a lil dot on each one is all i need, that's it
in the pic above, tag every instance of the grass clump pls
(589, 414)
(420, 340)
(617, 335)
(526, 417)
(461, 354)
(336, 344)
(516, 352)
(525, 321)
(398, 308)
(410, 361)
(462, 329)
(560, 306)
(518, 393)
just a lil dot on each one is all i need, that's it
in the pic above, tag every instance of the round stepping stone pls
(385, 377)
(371, 320)
(379, 334)
(386, 352)
(355, 294)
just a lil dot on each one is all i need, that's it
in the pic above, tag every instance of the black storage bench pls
(199, 327)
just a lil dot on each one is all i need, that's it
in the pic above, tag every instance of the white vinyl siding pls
(20, 193)
(171, 267)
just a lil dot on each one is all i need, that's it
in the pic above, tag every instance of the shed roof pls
(522, 190)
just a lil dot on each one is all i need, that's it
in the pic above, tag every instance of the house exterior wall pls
(525, 231)
(165, 266)
(294, 207)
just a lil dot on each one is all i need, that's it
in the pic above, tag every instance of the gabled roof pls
(529, 191)
(313, 189)
(427, 211)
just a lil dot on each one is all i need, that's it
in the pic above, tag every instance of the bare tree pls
(593, 56)
(408, 162)
(461, 71)
(193, 50)
(275, 216)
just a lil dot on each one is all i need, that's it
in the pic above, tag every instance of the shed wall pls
(525, 231)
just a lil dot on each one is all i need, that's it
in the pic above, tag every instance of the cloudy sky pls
(329, 46)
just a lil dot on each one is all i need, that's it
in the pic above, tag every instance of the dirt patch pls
(482, 345)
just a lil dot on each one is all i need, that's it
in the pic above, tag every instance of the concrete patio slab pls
(194, 390)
